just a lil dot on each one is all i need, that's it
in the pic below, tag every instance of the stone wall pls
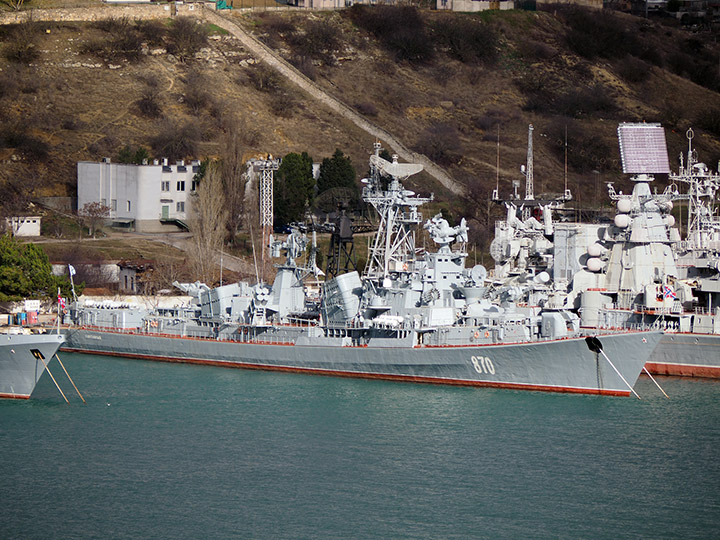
(597, 4)
(95, 13)
(475, 5)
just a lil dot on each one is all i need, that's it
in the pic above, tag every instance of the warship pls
(413, 315)
(23, 360)
(634, 271)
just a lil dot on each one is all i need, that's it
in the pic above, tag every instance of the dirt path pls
(267, 55)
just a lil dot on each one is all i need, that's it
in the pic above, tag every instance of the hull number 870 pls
(483, 364)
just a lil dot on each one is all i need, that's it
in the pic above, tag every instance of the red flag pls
(61, 301)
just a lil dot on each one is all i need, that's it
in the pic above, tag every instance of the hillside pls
(442, 83)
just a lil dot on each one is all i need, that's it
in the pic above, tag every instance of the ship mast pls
(703, 185)
(529, 187)
(394, 247)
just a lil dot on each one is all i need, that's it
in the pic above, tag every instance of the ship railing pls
(675, 309)
(701, 310)
(235, 338)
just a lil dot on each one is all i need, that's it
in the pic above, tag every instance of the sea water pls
(181, 451)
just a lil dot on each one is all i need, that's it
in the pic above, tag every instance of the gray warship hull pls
(563, 365)
(687, 355)
(21, 362)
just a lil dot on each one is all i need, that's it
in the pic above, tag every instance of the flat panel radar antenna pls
(643, 149)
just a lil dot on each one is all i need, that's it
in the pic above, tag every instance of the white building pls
(24, 225)
(145, 198)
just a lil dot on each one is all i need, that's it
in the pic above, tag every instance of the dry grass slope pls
(83, 91)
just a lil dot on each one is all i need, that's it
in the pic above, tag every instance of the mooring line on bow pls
(69, 378)
(595, 345)
(656, 383)
(51, 376)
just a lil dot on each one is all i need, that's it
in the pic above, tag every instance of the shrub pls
(196, 96)
(586, 101)
(670, 113)
(400, 29)
(442, 74)
(283, 104)
(366, 108)
(320, 40)
(150, 79)
(536, 50)
(149, 103)
(467, 40)
(277, 24)
(21, 47)
(633, 70)
(490, 120)
(593, 33)
(124, 42)
(264, 78)
(8, 83)
(34, 149)
(710, 121)
(306, 67)
(440, 142)
(185, 38)
(585, 151)
(176, 141)
(125, 46)
(152, 32)
(113, 25)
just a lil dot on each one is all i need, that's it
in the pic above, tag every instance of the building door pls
(165, 212)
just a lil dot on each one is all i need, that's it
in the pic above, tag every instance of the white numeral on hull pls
(483, 364)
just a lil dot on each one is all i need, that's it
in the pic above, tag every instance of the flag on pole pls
(61, 301)
(71, 269)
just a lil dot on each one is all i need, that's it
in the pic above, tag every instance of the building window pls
(194, 185)
(103, 202)
(113, 205)
(180, 207)
(181, 185)
(128, 206)
(165, 185)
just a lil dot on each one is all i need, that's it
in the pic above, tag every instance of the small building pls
(24, 225)
(104, 274)
(144, 198)
(130, 274)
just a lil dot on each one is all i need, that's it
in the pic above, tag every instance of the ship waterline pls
(565, 365)
(686, 355)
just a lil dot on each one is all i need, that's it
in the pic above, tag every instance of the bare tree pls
(208, 222)
(15, 4)
(165, 271)
(232, 168)
(93, 214)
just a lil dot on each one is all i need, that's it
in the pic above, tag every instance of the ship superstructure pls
(635, 271)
